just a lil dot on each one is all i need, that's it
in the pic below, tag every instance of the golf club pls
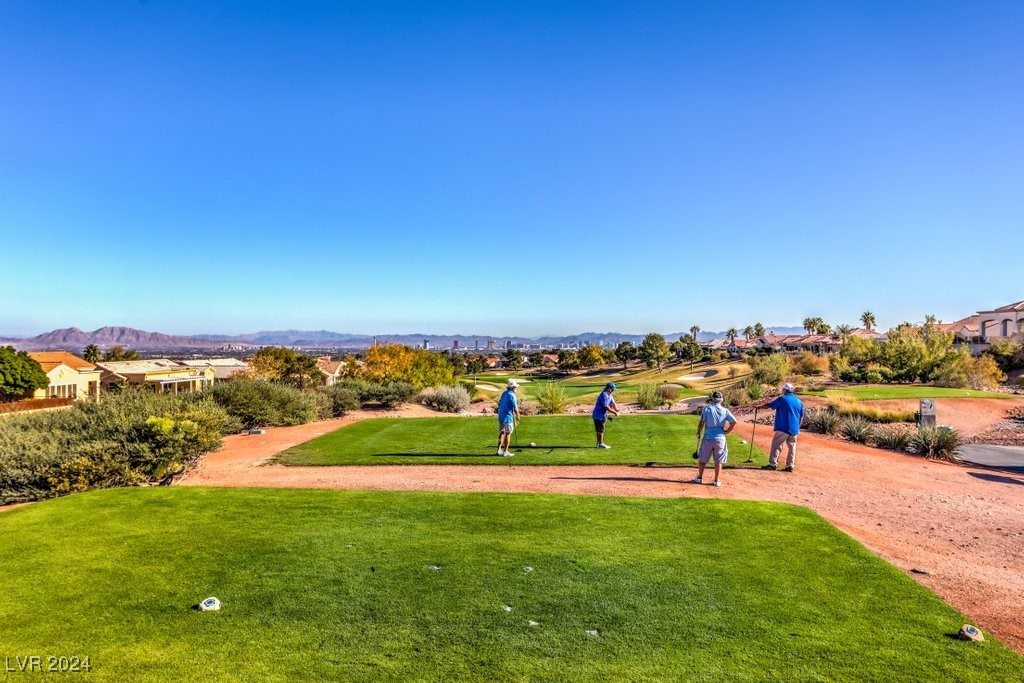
(750, 455)
(696, 450)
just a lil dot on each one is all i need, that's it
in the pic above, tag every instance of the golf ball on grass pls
(533, 445)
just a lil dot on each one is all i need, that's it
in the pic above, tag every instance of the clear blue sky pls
(507, 168)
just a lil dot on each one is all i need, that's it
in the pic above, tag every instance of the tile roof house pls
(1005, 322)
(162, 374)
(70, 376)
(224, 369)
(330, 370)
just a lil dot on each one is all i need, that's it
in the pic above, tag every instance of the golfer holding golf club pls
(715, 422)
(605, 404)
(508, 415)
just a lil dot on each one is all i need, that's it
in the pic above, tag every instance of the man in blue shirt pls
(789, 413)
(715, 421)
(605, 404)
(508, 415)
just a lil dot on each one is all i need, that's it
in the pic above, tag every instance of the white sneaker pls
(603, 445)
(698, 480)
(501, 452)
(507, 454)
(717, 483)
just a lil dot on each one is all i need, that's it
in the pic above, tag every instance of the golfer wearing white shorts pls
(715, 422)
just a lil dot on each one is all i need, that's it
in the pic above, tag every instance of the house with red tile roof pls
(330, 370)
(70, 376)
(1005, 322)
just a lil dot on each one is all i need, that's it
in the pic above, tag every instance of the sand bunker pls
(487, 387)
(698, 376)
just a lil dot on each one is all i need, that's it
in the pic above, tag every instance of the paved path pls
(1009, 458)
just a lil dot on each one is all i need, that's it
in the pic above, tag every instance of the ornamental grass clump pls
(857, 429)
(847, 405)
(446, 399)
(821, 420)
(935, 442)
(895, 437)
(647, 396)
(551, 398)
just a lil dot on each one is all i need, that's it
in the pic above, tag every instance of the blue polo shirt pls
(715, 417)
(507, 406)
(604, 399)
(789, 413)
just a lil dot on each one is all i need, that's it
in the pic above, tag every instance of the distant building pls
(491, 344)
(1005, 322)
(330, 370)
(455, 344)
(224, 369)
(70, 376)
(164, 376)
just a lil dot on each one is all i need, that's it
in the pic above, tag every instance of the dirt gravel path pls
(963, 526)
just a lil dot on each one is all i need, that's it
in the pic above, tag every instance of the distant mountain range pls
(74, 339)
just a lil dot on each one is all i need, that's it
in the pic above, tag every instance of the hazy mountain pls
(74, 339)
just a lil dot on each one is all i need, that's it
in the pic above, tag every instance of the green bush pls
(259, 403)
(935, 442)
(895, 437)
(734, 396)
(821, 420)
(755, 390)
(668, 393)
(771, 369)
(446, 399)
(647, 396)
(551, 398)
(343, 399)
(857, 429)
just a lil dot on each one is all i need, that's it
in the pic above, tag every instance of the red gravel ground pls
(964, 526)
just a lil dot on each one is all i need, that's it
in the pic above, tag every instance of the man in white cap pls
(715, 422)
(789, 413)
(508, 415)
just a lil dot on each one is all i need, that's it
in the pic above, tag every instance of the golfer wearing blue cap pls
(605, 404)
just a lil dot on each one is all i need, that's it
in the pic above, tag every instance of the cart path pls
(962, 525)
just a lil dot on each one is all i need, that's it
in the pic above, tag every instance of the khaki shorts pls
(506, 427)
(716, 448)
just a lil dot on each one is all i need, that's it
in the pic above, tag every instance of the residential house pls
(224, 369)
(70, 376)
(163, 375)
(330, 370)
(1005, 322)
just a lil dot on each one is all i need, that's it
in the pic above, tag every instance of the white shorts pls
(506, 427)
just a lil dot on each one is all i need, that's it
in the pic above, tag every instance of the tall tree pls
(809, 324)
(748, 332)
(513, 359)
(20, 374)
(688, 349)
(694, 331)
(116, 353)
(822, 327)
(732, 333)
(536, 359)
(868, 318)
(654, 350)
(625, 352)
(590, 356)
(758, 330)
(91, 353)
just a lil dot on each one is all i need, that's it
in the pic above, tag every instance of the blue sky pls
(507, 168)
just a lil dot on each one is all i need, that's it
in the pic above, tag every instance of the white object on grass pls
(209, 605)
(507, 608)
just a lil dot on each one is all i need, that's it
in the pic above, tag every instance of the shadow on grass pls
(435, 455)
(650, 479)
(998, 478)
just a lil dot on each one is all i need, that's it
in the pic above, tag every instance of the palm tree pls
(868, 318)
(91, 353)
(823, 327)
(810, 324)
(758, 330)
(748, 332)
(843, 331)
(732, 334)
(693, 332)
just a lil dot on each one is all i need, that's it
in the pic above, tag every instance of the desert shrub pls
(551, 398)
(821, 420)
(872, 377)
(857, 429)
(807, 363)
(529, 408)
(390, 394)
(668, 393)
(735, 395)
(935, 442)
(324, 405)
(471, 389)
(127, 438)
(344, 399)
(647, 396)
(771, 369)
(259, 403)
(446, 399)
(357, 386)
(755, 390)
(895, 437)
(847, 406)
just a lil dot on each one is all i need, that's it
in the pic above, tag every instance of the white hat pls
(788, 388)
(512, 384)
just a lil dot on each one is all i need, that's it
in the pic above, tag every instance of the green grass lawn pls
(561, 440)
(351, 585)
(892, 391)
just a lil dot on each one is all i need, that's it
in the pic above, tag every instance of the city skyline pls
(199, 168)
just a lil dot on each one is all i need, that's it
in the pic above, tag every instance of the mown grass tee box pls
(561, 440)
(349, 585)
